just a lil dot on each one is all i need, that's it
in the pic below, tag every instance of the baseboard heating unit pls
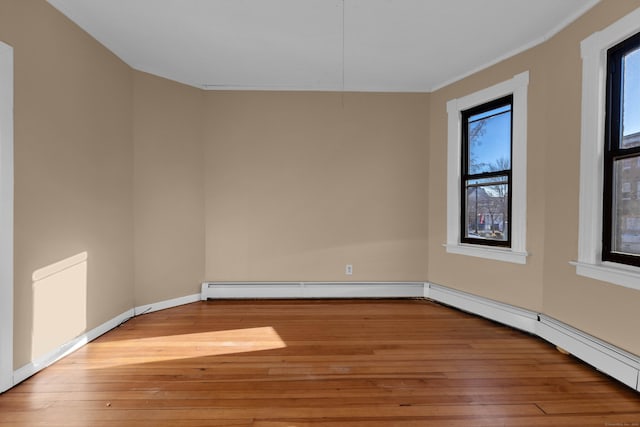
(231, 290)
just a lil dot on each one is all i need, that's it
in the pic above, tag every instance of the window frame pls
(594, 71)
(517, 86)
(6, 216)
(468, 176)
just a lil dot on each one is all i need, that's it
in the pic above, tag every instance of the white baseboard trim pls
(163, 305)
(613, 361)
(53, 356)
(39, 364)
(515, 317)
(293, 290)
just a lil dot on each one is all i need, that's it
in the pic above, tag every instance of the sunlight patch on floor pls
(187, 346)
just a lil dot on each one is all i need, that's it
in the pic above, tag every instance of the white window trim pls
(6, 217)
(517, 86)
(594, 66)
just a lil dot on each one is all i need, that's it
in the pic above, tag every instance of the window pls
(486, 172)
(621, 243)
(609, 245)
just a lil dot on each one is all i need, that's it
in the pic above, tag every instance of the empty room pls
(295, 213)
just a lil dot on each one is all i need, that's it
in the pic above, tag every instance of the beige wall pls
(73, 179)
(516, 284)
(604, 310)
(168, 189)
(300, 184)
(547, 283)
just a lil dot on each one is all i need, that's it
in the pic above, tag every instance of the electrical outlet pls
(348, 270)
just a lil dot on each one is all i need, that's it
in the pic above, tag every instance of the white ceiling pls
(352, 45)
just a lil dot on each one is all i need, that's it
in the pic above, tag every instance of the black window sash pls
(613, 151)
(466, 177)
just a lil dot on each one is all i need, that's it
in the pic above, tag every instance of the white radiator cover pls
(270, 290)
(611, 360)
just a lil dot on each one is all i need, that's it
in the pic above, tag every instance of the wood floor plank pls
(330, 363)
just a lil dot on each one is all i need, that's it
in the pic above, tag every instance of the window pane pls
(487, 209)
(625, 233)
(490, 140)
(631, 100)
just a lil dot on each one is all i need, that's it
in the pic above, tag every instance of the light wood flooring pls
(331, 363)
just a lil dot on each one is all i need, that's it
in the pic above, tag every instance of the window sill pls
(610, 272)
(497, 254)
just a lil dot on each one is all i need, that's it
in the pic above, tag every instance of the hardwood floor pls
(377, 363)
